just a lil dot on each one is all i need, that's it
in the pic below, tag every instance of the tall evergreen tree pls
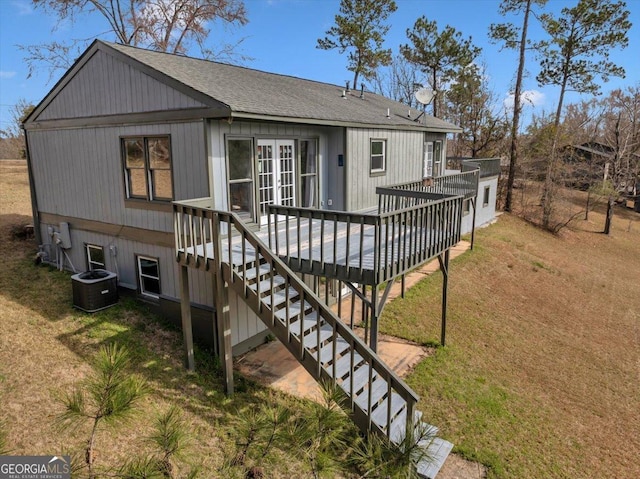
(360, 28)
(508, 34)
(440, 55)
(577, 54)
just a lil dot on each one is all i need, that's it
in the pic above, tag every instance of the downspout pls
(32, 188)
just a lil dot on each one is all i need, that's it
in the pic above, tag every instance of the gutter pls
(343, 123)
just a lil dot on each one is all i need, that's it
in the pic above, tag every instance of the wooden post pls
(473, 221)
(374, 318)
(185, 307)
(221, 295)
(444, 267)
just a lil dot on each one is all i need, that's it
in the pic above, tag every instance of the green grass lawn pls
(539, 377)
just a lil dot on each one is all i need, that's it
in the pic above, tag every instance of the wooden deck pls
(363, 248)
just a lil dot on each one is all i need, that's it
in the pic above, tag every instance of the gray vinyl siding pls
(484, 214)
(404, 157)
(245, 324)
(334, 173)
(78, 172)
(91, 92)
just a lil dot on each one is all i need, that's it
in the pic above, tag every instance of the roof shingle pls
(254, 92)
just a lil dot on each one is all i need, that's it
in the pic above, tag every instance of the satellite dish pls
(425, 95)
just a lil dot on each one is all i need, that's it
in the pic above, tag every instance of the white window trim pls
(142, 275)
(384, 156)
(91, 264)
(427, 168)
(486, 198)
(437, 159)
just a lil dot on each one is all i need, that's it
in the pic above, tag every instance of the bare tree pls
(398, 81)
(12, 137)
(165, 25)
(622, 137)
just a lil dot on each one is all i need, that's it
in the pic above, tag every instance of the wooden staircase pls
(414, 223)
(330, 351)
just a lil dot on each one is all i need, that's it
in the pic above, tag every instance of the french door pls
(276, 174)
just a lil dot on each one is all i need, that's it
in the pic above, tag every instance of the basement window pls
(95, 257)
(466, 207)
(378, 156)
(486, 196)
(147, 168)
(148, 276)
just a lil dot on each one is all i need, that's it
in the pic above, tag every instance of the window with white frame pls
(437, 158)
(241, 187)
(486, 196)
(427, 170)
(308, 172)
(95, 257)
(148, 276)
(466, 207)
(378, 156)
(147, 168)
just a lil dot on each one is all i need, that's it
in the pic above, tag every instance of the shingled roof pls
(250, 93)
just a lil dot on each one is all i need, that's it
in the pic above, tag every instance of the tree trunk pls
(586, 210)
(516, 111)
(609, 217)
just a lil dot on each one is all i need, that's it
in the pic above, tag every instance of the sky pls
(281, 37)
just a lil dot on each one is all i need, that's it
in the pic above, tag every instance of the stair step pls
(437, 452)
(252, 272)
(360, 379)
(279, 298)
(379, 388)
(379, 415)
(311, 339)
(326, 352)
(344, 364)
(294, 311)
(265, 285)
(399, 424)
(310, 321)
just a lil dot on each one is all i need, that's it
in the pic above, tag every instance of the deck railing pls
(488, 166)
(459, 184)
(249, 257)
(423, 226)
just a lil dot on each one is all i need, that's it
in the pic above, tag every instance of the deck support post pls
(221, 294)
(365, 313)
(443, 259)
(403, 286)
(185, 310)
(473, 221)
(373, 343)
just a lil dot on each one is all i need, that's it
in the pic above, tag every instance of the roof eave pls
(344, 123)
